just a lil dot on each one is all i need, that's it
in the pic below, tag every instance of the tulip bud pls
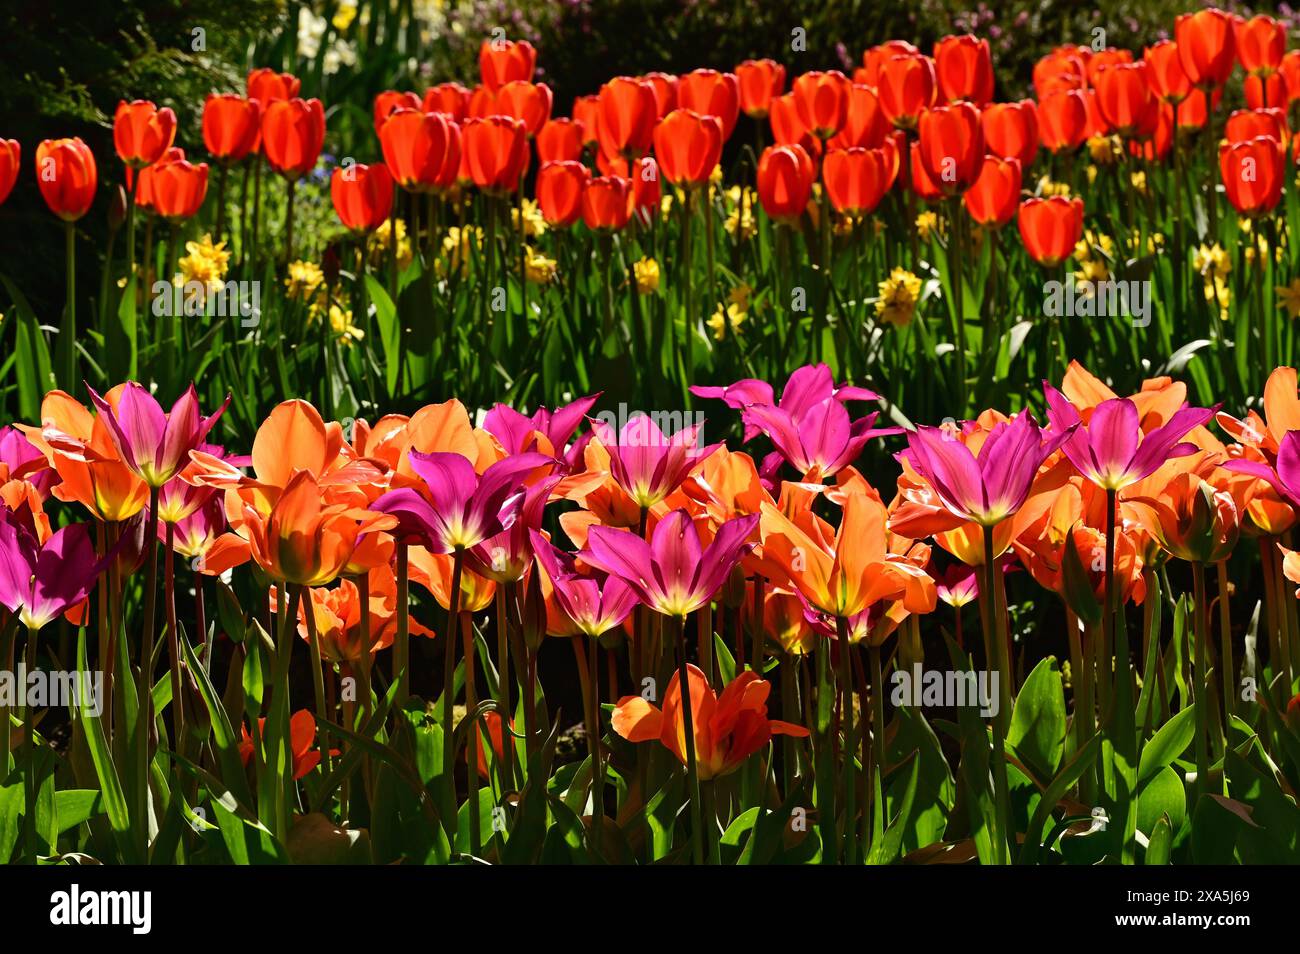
(330, 264)
(533, 621)
(117, 208)
(733, 591)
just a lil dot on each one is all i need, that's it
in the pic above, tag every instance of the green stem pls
(144, 693)
(688, 719)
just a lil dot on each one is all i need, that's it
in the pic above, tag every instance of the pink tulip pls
(645, 462)
(152, 443)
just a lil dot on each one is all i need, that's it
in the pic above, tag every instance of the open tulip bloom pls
(39, 582)
(153, 443)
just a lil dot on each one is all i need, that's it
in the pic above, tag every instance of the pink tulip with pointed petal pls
(647, 463)
(41, 581)
(154, 444)
(593, 605)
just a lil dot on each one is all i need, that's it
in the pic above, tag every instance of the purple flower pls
(593, 605)
(647, 463)
(154, 444)
(39, 581)
(518, 433)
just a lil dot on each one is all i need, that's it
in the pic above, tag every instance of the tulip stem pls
(998, 649)
(68, 349)
(144, 691)
(506, 768)
(29, 759)
(7, 640)
(318, 671)
(450, 820)
(288, 222)
(221, 201)
(1226, 664)
(959, 315)
(472, 736)
(846, 707)
(401, 642)
(688, 721)
(1201, 692)
(877, 744)
(588, 676)
(1211, 168)
(173, 639)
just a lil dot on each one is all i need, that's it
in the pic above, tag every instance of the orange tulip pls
(268, 86)
(1260, 42)
(628, 113)
(1190, 519)
(785, 181)
(530, 103)
(495, 152)
(559, 189)
(178, 188)
(665, 90)
(293, 131)
(1290, 72)
(362, 195)
(1124, 97)
(1011, 131)
(560, 140)
(142, 132)
(923, 186)
(856, 179)
(1104, 59)
(338, 611)
(952, 145)
(607, 203)
(759, 82)
(688, 147)
(907, 88)
(586, 112)
(727, 730)
(822, 99)
(10, 155)
(964, 68)
(67, 176)
(449, 98)
(144, 197)
(1050, 228)
(1063, 120)
(1064, 68)
(1165, 72)
(422, 150)
(302, 741)
(874, 59)
(391, 100)
(994, 197)
(231, 127)
(865, 124)
(711, 93)
(1246, 124)
(506, 61)
(788, 128)
(1206, 46)
(1253, 173)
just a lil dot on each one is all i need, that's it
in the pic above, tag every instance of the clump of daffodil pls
(728, 319)
(344, 15)
(534, 222)
(1105, 150)
(646, 272)
(1139, 181)
(900, 293)
(715, 180)
(305, 281)
(458, 246)
(1289, 298)
(1091, 174)
(666, 206)
(1155, 242)
(740, 222)
(341, 324)
(205, 263)
(379, 245)
(539, 269)
(927, 224)
(1094, 254)
(1214, 266)
(1047, 187)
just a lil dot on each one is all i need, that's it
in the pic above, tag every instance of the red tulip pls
(1011, 131)
(560, 140)
(875, 58)
(1124, 97)
(628, 114)
(67, 176)
(496, 152)
(1050, 228)
(1154, 140)
(266, 86)
(788, 128)
(10, 154)
(964, 68)
(1252, 174)
(865, 124)
(1206, 46)
(142, 132)
(232, 126)
(389, 101)
(822, 99)
(994, 197)
(1290, 71)
(1063, 120)
(530, 103)
(907, 87)
(449, 98)
(646, 194)
(785, 181)
(1266, 90)
(421, 150)
(559, 191)
(1165, 72)
(925, 188)
(1104, 59)
(1064, 68)
(1245, 124)
(363, 195)
(856, 179)
(144, 194)
(177, 188)
(607, 203)
(1191, 111)
(1261, 43)
(665, 90)
(688, 147)
(952, 145)
(711, 93)
(759, 81)
(586, 110)
(293, 132)
(505, 61)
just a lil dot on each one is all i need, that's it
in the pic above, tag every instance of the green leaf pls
(1170, 741)
(1037, 730)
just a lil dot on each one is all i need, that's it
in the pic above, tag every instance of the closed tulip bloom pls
(995, 196)
(964, 68)
(232, 126)
(530, 103)
(1246, 124)
(1165, 72)
(1290, 72)
(506, 61)
(560, 140)
(874, 59)
(688, 147)
(391, 100)
(1192, 113)
(1190, 519)
(293, 131)
(1063, 68)
(1207, 46)
(421, 149)
(923, 186)
(759, 82)
(1261, 43)
(1124, 97)
(495, 152)
(711, 93)
(67, 176)
(362, 195)
(1104, 59)
(10, 156)
(788, 128)
(449, 98)
(785, 181)
(952, 145)
(607, 203)
(1050, 228)
(559, 191)
(1253, 173)
(1266, 91)
(268, 86)
(144, 192)
(1063, 120)
(822, 99)
(482, 103)
(586, 111)
(142, 132)
(665, 90)
(1011, 131)
(178, 189)
(628, 113)
(865, 123)
(856, 179)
